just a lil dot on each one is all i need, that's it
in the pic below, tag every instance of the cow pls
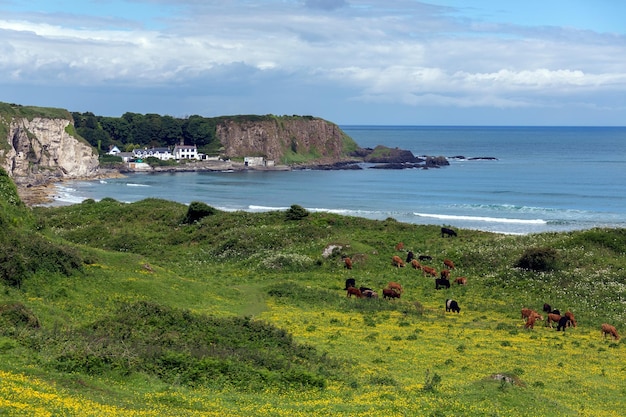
(427, 270)
(397, 261)
(409, 257)
(527, 312)
(530, 322)
(369, 294)
(347, 263)
(552, 317)
(389, 293)
(547, 308)
(395, 286)
(571, 318)
(452, 305)
(350, 282)
(444, 274)
(363, 289)
(563, 323)
(425, 258)
(400, 246)
(447, 232)
(441, 283)
(354, 291)
(460, 281)
(415, 264)
(608, 329)
(448, 263)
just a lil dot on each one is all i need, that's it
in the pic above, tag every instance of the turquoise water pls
(543, 179)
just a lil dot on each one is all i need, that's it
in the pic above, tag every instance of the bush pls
(197, 211)
(538, 260)
(296, 212)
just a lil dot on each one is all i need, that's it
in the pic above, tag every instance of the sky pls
(352, 62)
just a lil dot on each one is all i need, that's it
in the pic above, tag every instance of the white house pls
(186, 152)
(250, 161)
(114, 151)
(163, 154)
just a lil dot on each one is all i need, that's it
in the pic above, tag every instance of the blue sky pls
(437, 62)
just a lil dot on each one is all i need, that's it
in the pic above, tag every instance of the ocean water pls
(542, 179)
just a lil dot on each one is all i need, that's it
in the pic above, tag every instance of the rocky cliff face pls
(40, 151)
(278, 139)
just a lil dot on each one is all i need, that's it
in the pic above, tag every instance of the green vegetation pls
(157, 308)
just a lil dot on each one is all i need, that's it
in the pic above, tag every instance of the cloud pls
(325, 4)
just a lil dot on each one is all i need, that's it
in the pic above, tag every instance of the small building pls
(114, 151)
(186, 152)
(254, 161)
(163, 154)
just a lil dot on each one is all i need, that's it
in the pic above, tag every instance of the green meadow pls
(160, 309)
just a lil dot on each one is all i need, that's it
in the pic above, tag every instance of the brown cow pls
(347, 262)
(445, 274)
(400, 246)
(397, 261)
(527, 312)
(415, 264)
(389, 293)
(354, 291)
(552, 318)
(530, 323)
(395, 286)
(608, 329)
(461, 281)
(448, 263)
(571, 318)
(429, 271)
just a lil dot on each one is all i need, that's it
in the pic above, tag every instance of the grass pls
(240, 314)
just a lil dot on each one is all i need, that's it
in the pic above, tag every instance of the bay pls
(542, 179)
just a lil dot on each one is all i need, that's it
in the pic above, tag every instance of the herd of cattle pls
(442, 280)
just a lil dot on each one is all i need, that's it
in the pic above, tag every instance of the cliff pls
(286, 140)
(39, 146)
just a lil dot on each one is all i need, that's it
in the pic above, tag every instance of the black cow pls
(452, 305)
(441, 283)
(350, 282)
(447, 232)
(563, 322)
(363, 289)
(547, 308)
(425, 258)
(409, 257)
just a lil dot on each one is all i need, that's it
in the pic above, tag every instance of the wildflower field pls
(128, 309)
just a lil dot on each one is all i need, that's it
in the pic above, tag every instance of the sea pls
(511, 180)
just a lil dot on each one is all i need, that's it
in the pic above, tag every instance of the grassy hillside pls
(229, 314)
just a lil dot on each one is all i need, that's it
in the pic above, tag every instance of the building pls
(186, 152)
(163, 154)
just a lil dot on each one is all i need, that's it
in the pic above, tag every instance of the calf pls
(547, 308)
(427, 270)
(563, 323)
(441, 283)
(397, 261)
(444, 274)
(354, 291)
(608, 329)
(400, 246)
(571, 318)
(395, 286)
(347, 262)
(552, 318)
(369, 294)
(389, 293)
(452, 305)
(409, 257)
(530, 323)
(350, 282)
(461, 281)
(415, 264)
(448, 263)
(447, 232)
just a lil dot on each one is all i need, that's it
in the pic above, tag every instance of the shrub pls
(296, 212)
(538, 259)
(197, 211)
